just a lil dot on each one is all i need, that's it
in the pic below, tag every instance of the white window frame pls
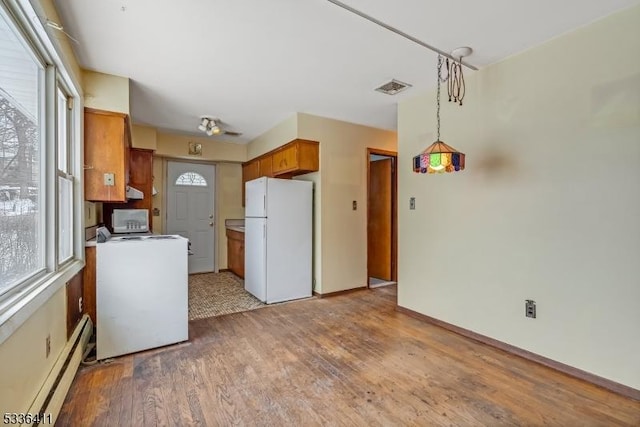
(67, 173)
(18, 304)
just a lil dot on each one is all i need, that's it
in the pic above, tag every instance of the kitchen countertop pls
(235, 225)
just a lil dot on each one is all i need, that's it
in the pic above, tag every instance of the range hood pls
(134, 193)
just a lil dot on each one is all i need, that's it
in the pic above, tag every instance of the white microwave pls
(130, 220)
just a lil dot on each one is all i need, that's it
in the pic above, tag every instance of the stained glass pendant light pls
(439, 157)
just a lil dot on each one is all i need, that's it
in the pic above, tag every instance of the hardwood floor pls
(347, 360)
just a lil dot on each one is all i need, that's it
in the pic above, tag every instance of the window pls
(193, 179)
(21, 202)
(65, 179)
(39, 160)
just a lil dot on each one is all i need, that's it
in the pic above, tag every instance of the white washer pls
(141, 294)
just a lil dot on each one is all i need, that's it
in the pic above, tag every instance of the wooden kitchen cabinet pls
(107, 137)
(235, 252)
(266, 166)
(250, 171)
(89, 283)
(141, 178)
(298, 157)
(75, 302)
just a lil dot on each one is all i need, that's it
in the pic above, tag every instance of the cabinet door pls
(266, 166)
(75, 303)
(240, 265)
(105, 152)
(250, 171)
(141, 178)
(89, 283)
(285, 160)
(308, 156)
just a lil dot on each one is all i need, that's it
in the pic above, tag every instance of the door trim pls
(394, 209)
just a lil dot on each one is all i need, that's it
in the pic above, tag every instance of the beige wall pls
(341, 249)
(23, 365)
(48, 10)
(228, 204)
(159, 172)
(177, 147)
(547, 208)
(143, 137)
(340, 234)
(285, 131)
(105, 91)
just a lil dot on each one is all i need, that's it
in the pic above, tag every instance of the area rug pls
(215, 294)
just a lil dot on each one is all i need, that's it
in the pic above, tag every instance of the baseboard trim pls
(336, 293)
(55, 388)
(621, 389)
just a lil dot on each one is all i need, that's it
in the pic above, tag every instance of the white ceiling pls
(253, 63)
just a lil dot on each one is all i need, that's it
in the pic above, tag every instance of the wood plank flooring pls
(347, 360)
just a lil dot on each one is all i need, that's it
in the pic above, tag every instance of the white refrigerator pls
(278, 239)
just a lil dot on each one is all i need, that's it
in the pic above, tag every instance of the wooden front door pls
(380, 219)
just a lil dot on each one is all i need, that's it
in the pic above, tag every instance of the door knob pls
(211, 216)
(211, 224)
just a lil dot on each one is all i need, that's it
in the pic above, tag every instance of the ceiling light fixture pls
(209, 126)
(439, 157)
(203, 124)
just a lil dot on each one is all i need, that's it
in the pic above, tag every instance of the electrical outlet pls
(80, 305)
(412, 203)
(354, 205)
(530, 308)
(48, 345)
(109, 179)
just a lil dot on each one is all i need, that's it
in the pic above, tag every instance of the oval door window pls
(192, 179)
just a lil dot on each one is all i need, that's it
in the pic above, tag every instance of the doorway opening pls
(382, 218)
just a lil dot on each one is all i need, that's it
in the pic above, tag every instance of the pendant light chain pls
(440, 157)
(455, 85)
(438, 94)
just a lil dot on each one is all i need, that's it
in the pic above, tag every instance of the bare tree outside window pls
(19, 254)
(21, 231)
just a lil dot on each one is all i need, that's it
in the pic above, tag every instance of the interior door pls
(379, 226)
(190, 211)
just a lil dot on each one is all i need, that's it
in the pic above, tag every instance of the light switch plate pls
(109, 179)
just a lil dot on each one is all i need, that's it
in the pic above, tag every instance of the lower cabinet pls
(89, 283)
(235, 252)
(75, 303)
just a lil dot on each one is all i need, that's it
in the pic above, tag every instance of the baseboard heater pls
(52, 394)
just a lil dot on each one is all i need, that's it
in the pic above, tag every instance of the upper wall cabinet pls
(298, 157)
(140, 178)
(107, 137)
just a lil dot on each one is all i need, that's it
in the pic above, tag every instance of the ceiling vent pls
(393, 87)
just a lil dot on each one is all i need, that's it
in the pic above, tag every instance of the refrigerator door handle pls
(264, 204)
